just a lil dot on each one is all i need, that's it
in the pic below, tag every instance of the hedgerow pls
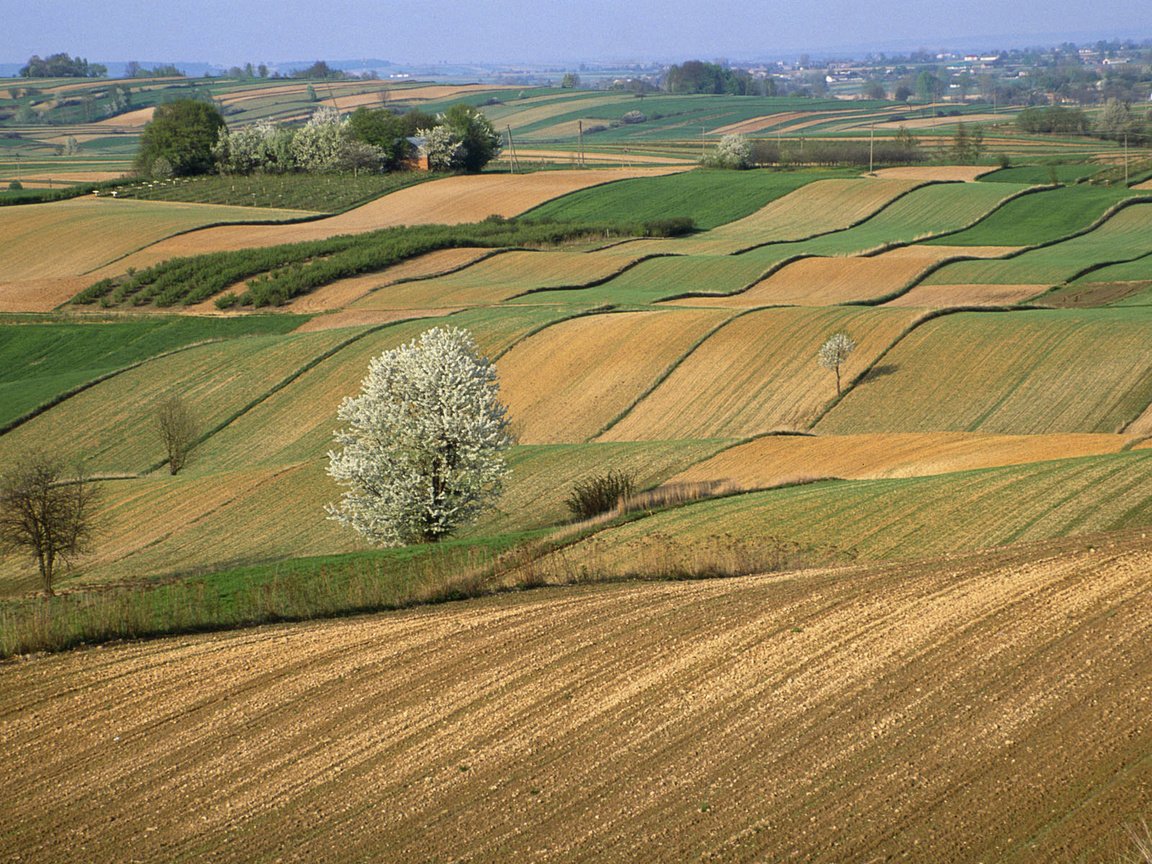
(277, 274)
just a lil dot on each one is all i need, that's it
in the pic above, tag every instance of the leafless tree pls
(177, 428)
(834, 353)
(46, 511)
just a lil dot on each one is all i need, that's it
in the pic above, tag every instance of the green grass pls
(1041, 174)
(1125, 236)
(1022, 373)
(708, 197)
(1040, 217)
(907, 517)
(42, 360)
(319, 193)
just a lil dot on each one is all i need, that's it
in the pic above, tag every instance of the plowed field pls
(759, 373)
(569, 381)
(966, 173)
(987, 708)
(945, 296)
(69, 238)
(774, 460)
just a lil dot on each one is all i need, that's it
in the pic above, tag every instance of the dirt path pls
(989, 708)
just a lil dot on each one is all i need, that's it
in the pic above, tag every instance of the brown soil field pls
(1147, 184)
(70, 238)
(129, 119)
(942, 296)
(930, 254)
(966, 173)
(759, 374)
(1142, 425)
(990, 707)
(66, 176)
(747, 127)
(570, 380)
(572, 156)
(1082, 294)
(933, 122)
(450, 201)
(827, 281)
(777, 459)
(40, 295)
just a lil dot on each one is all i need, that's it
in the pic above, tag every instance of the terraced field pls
(568, 382)
(618, 723)
(1123, 237)
(112, 423)
(776, 460)
(450, 201)
(45, 242)
(759, 373)
(501, 277)
(1018, 373)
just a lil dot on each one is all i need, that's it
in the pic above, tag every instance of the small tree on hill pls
(423, 451)
(834, 353)
(176, 428)
(46, 512)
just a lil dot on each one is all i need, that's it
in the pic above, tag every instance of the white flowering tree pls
(444, 149)
(320, 143)
(733, 151)
(259, 147)
(834, 353)
(423, 451)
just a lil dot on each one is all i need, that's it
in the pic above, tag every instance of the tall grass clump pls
(600, 494)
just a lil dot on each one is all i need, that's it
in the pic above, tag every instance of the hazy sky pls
(235, 31)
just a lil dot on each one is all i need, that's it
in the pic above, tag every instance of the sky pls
(228, 32)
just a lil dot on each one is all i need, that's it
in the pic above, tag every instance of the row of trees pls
(190, 137)
(62, 66)
(1115, 121)
(735, 151)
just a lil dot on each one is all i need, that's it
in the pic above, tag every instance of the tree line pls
(190, 137)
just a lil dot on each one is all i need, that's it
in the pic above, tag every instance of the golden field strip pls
(846, 714)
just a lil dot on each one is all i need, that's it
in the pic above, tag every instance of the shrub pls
(674, 226)
(634, 117)
(599, 494)
(15, 186)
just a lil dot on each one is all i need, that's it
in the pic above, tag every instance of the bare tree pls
(834, 353)
(46, 511)
(177, 428)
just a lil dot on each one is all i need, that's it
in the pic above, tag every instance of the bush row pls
(277, 274)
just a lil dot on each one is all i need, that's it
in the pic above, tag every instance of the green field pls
(1041, 174)
(1040, 217)
(40, 361)
(1123, 237)
(1015, 373)
(903, 518)
(708, 197)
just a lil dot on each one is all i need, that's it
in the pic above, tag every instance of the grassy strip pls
(289, 270)
(327, 193)
(708, 197)
(45, 362)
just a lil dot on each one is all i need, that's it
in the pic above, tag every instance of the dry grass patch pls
(40, 295)
(747, 127)
(130, 119)
(759, 373)
(568, 381)
(74, 237)
(965, 173)
(633, 722)
(822, 282)
(774, 460)
(451, 201)
(945, 296)
(358, 318)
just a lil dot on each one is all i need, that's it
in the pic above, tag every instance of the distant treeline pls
(832, 153)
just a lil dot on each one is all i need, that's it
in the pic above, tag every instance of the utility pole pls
(1125, 158)
(871, 146)
(703, 142)
(580, 129)
(513, 162)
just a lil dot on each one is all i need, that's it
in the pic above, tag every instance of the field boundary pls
(595, 283)
(672, 367)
